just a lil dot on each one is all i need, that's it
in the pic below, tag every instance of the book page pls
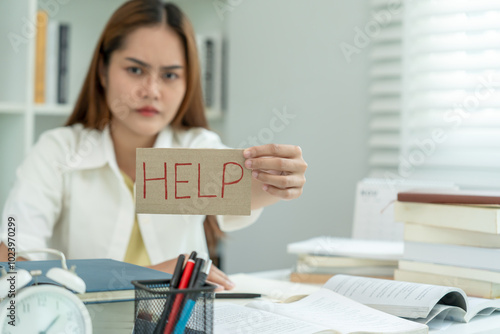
(403, 299)
(234, 319)
(481, 306)
(443, 312)
(329, 309)
(270, 288)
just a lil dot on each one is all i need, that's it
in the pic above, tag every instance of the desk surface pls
(478, 325)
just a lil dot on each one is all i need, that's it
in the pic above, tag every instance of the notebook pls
(107, 280)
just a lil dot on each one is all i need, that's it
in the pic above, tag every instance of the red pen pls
(186, 275)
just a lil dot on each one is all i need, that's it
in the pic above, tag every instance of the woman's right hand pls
(215, 276)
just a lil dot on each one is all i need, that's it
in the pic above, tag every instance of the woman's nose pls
(150, 88)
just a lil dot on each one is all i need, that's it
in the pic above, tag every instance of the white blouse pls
(69, 195)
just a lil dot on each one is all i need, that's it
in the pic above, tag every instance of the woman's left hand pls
(280, 169)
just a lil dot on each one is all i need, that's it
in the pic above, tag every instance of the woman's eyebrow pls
(146, 65)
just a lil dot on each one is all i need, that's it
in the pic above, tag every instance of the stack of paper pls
(322, 257)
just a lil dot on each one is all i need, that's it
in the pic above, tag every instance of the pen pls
(188, 307)
(198, 265)
(236, 295)
(177, 272)
(186, 276)
(202, 277)
(174, 281)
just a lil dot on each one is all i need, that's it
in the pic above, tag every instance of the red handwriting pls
(224, 176)
(184, 181)
(177, 166)
(160, 178)
(199, 184)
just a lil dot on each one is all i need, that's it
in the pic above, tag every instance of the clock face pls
(45, 309)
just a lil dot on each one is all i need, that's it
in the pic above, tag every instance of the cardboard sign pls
(192, 181)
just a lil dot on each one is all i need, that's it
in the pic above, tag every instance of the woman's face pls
(145, 81)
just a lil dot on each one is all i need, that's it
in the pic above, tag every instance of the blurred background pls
(398, 90)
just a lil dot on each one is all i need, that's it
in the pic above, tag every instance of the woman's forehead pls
(157, 45)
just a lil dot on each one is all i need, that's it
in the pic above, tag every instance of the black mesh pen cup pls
(158, 307)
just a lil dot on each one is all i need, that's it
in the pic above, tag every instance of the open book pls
(323, 311)
(416, 301)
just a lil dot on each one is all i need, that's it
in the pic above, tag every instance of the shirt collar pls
(95, 148)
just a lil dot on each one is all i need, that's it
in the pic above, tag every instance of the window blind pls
(385, 88)
(449, 102)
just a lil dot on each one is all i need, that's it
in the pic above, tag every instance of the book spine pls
(52, 60)
(40, 55)
(62, 84)
(472, 288)
(448, 198)
(339, 261)
(471, 218)
(323, 278)
(448, 270)
(454, 255)
(450, 236)
(209, 73)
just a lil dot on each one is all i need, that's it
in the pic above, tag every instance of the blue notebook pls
(107, 280)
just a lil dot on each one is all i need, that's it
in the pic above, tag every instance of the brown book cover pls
(468, 197)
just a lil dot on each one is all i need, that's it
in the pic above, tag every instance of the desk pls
(478, 325)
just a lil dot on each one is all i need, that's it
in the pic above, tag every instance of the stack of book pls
(51, 60)
(451, 238)
(321, 258)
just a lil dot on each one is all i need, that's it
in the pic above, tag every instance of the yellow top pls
(136, 251)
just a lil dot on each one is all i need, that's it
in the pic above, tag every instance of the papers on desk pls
(323, 311)
(368, 249)
(322, 257)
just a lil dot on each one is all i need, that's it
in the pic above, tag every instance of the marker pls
(188, 270)
(198, 265)
(186, 275)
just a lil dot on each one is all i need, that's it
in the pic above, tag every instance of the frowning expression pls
(145, 80)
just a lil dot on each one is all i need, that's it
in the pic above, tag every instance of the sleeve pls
(203, 138)
(35, 200)
(233, 223)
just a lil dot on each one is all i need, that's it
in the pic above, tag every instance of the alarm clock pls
(43, 308)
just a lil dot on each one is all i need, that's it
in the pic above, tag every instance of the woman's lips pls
(148, 111)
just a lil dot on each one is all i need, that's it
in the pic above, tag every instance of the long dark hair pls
(91, 108)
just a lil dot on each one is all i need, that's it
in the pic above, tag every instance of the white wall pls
(285, 55)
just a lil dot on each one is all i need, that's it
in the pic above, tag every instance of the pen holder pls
(193, 308)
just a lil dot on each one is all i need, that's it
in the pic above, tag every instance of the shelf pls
(213, 114)
(12, 108)
(53, 109)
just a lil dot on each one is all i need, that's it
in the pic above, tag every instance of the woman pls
(74, 191)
